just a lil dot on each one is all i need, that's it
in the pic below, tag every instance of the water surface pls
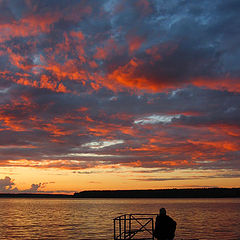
(79, 219)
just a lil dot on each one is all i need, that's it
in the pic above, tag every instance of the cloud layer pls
(110, 83)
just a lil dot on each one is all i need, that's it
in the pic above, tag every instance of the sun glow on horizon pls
(118, 95)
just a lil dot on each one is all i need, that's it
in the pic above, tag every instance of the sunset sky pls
(119, 94)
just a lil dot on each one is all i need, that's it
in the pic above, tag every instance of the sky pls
(109, 94)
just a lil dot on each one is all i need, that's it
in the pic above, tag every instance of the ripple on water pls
(60, 219)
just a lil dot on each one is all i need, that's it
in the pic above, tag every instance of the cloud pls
(188, 178)
(165, 46)
(7, 185)
(34, 188)
(153, 119)
(102, 144)
(139, 84)
(204, 134)
(188, 49)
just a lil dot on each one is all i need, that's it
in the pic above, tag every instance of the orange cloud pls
(73, 42)
(131, 76)
(101, 53)
(78, 35)
(175, 163)
(221, 83)
(135, 42)
(44, 82)
(11, 120)
(125, 76)
(227, 129)
(154, 53)
(104, 51)
(55, 130)
(30, 25)
(11, 123)
(222, 146)
(99, 131)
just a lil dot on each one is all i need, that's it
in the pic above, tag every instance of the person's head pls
(163, 211)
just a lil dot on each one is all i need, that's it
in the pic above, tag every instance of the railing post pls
(152, 230)
(125, 226)
(120, 229)
(130, 224)
(114, 227)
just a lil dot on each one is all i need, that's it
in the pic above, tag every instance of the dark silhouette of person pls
(165, 226)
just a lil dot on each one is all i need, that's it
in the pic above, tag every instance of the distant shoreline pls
(157, 193)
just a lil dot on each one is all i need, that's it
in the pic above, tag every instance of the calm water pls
(93, 218)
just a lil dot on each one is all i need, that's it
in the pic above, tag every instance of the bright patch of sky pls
(5, 90)
(153, 119)
(102, 144)
(113, 98)
(109, 5)
(37, 61)
(90, 155)
(175, 92)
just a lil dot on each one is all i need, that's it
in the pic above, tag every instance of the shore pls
(156, 193)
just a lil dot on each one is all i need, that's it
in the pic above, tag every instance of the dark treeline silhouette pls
(161, 193)
(34, 195)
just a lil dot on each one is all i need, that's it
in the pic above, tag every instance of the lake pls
(80, 219)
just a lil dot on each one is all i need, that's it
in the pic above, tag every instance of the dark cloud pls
(174, 44)
(155, 84)
(188, 178)
(7, 185)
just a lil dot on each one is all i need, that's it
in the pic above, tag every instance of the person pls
(165, 226)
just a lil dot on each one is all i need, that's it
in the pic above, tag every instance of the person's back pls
(165, 226)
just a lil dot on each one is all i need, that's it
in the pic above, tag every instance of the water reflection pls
(92, 218)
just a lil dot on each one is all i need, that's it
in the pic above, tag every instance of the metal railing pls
(134, 226)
